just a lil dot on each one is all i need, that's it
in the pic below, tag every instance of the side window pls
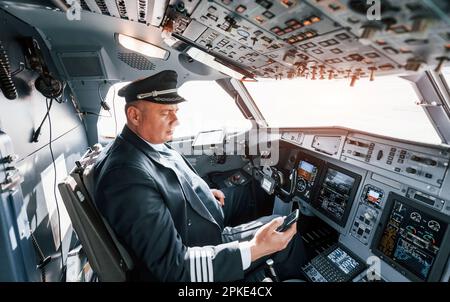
(208, 107)
(111, 123)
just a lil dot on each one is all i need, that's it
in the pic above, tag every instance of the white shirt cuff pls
(246, 254)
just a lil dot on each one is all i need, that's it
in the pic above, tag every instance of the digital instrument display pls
(372, 195)
(306, 170)
(308, 176)
(337, 193)
(409, 237)
(343, 260)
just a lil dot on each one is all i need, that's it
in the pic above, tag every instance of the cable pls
(43, 261)
(61, 97)
(37, 132)
(54, 179)
(93, 113)
(6, 82)
(103, 103)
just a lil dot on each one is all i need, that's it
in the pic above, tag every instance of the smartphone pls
(288, 221)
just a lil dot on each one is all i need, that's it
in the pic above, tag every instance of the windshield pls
(387, 106)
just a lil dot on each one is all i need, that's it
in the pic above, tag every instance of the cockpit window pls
(208, 107)
(387, 106)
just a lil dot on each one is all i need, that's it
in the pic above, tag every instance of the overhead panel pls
(121, 7)
(408, 31)
(112, 8)
(323, 39)
(93, 6)
(314, 39)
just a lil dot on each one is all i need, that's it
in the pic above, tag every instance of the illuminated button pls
(241, 8)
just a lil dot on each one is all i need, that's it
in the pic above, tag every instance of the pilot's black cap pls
(160, 88)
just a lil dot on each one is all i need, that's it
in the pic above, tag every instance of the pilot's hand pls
(268, 241)
(220, 197)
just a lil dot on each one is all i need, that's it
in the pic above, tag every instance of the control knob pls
(301, 185)
(368, 216)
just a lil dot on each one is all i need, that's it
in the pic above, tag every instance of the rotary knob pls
(301, 185)
(368, 216)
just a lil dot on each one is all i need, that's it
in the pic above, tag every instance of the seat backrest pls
(106, 255)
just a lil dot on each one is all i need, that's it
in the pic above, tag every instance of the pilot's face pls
(154, 122)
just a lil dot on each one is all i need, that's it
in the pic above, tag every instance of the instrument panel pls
(413, 239)
(377, 211)
(317, 40)
(428, 166)
(309, 171)
(336, 194)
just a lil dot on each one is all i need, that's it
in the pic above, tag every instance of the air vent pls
(136, 61)
(84, 5)
(122, 9)
(102, 6)
(142, 11)
(82, 65)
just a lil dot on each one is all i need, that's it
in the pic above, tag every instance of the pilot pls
(167, 217)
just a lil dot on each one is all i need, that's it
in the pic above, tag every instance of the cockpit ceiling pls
(314, 39)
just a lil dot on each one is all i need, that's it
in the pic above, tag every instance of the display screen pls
(306, 170)
(343, 260)
(373, 196)
(411, 238)
(336, 195)
(308, 176)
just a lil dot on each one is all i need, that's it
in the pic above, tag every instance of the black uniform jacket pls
(159, 219)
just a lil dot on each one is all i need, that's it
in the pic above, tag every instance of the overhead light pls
(142, 47)
(210, 61)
